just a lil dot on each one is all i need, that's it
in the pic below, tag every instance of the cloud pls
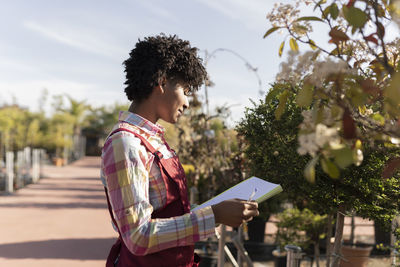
(28, 93)
(157, 10)
(86, 40)
(252, 13)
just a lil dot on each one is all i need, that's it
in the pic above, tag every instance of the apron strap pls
(114, 252)
(144, 141)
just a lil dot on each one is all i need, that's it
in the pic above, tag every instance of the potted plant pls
(301, 228)
(257, 226)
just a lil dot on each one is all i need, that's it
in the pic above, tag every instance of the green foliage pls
(20, 127)
(271, 153)
(360, 84)
(300, 227)
(100, 120)
(206, 143)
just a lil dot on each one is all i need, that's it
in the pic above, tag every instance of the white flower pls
(308, 122)
(325, 135)
(368, 111)
(359, 157)
(307, 144)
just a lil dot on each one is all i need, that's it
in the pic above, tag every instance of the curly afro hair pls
(162, 56)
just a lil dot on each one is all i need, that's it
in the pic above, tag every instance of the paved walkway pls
(61, 221)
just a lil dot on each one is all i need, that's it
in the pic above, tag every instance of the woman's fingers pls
(235, 211)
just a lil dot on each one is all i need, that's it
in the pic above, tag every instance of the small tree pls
(352, 88)
(207, 144)
(271, 153)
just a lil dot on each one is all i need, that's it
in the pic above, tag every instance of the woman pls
(144, 182)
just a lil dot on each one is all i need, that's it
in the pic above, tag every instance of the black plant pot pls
(279, 259)
(382, 236)
(208, 261)
(256, 230)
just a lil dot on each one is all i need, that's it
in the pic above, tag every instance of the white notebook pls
(259, 189)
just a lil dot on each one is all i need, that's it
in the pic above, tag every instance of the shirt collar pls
(140, 122)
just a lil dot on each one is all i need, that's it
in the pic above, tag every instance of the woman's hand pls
(234, 212)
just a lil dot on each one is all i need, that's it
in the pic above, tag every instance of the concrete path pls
(61, 221)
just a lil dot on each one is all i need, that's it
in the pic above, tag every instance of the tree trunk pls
(353, 228)
(316, 252)
(329, 231)
(338, 236)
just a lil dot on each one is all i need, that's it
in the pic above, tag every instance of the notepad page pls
(244, 190)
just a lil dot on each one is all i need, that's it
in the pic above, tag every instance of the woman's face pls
(173, 102)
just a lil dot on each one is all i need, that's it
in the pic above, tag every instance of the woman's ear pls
(162, 83)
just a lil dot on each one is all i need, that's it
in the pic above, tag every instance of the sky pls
(77, 47)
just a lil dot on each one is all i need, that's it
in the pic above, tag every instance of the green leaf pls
(281, 48)
(312, 44)
(336, 111)
(355, 16)
(319, 3)
(318, 113)
(392, 96)
(305, 95)
(311, 18)
(343, 157)
(334, 11)
(330, 168)
(326, 11)
(293, 45)
(272, 94)
(271, 31)
(379, 118)
(309, 171)
(282, 105)
(334, 52)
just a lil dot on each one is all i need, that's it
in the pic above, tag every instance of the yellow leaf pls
(358, 144)
(293, 45)
(312, 44)
(281, 48)
(309, 171)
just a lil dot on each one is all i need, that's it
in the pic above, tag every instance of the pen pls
(245, 228)
(252, 194)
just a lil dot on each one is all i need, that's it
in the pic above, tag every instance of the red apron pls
(177, 204)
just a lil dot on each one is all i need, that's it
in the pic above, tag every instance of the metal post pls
(9, 172)
(221, 245)
(19, 174)
(35, 165)
(240, 239)
(193, 195)
(242, 251)
(393, 252)
(294, 255)
(27, 165)
(227, 251)
(41, 161)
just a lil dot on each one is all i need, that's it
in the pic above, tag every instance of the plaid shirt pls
(136, 188)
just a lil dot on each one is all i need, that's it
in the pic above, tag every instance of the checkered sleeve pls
(127, 180)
